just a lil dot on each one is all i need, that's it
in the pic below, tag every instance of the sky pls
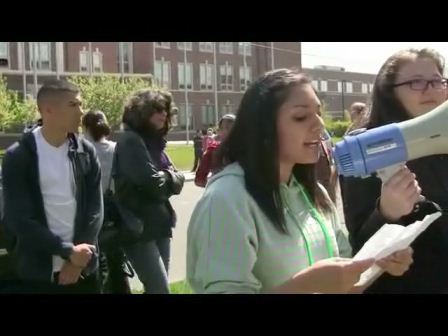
(364, 57)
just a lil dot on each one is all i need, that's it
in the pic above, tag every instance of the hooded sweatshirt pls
(233, 247)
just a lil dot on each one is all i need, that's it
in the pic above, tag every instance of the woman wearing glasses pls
(409, 84)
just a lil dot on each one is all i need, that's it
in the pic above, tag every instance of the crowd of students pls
(82, 212)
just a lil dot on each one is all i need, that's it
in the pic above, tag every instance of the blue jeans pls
(150, 260)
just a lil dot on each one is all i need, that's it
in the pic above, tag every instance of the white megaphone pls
(385, 149)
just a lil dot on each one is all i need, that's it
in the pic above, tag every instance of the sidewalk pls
(189, 176)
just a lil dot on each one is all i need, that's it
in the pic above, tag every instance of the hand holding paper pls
(388, 240)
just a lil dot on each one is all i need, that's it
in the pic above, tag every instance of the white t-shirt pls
(57, 185)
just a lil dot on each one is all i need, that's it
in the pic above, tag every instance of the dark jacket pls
(197, 143)
(143, 188)
(429, 272)
(24, 213)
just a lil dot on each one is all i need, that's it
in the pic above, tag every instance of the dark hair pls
(55, 87)
(96, 124)
(204, 132)
(386, 108)
(253, 143)
(142, 105)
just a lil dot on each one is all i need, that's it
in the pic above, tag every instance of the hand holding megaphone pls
(399, 194)
(387, 148)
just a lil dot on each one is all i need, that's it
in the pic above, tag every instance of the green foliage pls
(15, 113)
(337, 128)
(108, 93)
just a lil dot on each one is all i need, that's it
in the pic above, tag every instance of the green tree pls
(14, 111)
(108, 93)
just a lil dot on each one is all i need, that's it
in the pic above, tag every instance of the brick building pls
(235, 65)
(338, 88)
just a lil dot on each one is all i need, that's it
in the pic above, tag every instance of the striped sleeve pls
(222, 246)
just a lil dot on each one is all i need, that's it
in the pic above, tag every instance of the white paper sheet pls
(389, 239)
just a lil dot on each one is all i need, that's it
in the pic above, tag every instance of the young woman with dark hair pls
(264, 224)
(112, 258)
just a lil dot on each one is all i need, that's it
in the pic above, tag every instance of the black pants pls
(88, 285)
(7, 272)
(117, 281)
(197, 158)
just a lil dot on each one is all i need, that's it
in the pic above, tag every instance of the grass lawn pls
(182, 156)
(179, 287)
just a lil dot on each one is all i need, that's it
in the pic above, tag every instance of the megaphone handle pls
(386, 173)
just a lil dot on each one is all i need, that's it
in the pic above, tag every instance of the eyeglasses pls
(423, 84)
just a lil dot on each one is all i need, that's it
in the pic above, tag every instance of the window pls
(245, 48)
(364, 88)
(226, 77)
(4, 54)
(126, 48)
(185, 45)
(164, 45)
(316, 84)
(83, 60)
(182, 118)
(162, 73)
(206, 46)
(370, 87)
(208, 115)
(98, 61)
(43, 53)
(206, 76)
(323, 85)
(181, 75)
(349, 87)
(245, 77)
(339, 86)
(226, 47)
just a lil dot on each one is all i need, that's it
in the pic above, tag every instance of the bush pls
(108, 94)
(337, 128)
(15, 113)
